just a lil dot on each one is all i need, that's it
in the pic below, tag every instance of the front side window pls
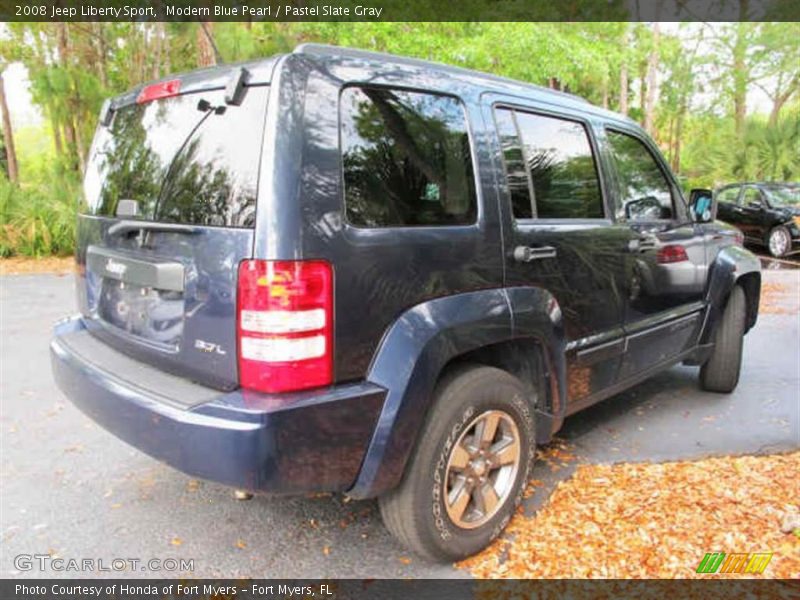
(645, 193)
(406, 159)
(783, 195)
(752, 197)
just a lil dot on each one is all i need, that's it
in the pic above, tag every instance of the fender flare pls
(415, 349)
(731, 265)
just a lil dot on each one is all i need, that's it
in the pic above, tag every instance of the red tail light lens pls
(156, 91)
(285, 325)
(671, 253)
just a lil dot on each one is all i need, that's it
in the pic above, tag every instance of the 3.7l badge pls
(209, 348)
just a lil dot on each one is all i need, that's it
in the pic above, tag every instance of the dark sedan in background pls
(768, 214)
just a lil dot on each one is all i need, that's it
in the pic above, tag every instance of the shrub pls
(37, 220)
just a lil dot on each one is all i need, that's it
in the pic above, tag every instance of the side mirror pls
(703, 205)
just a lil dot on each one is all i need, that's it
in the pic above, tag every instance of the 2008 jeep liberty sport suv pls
(336, 270)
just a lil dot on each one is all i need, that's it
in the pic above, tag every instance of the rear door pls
(559, 237)
(169, 211)
(665, 257)
(754, 219)
(728, 205)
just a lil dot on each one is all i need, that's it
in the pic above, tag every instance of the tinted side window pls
(514, 163)
(645, 193)
(406, 159)
(559, 160)
(752, 197)
(729, 195)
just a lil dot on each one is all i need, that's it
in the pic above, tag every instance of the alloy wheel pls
(778, 242)
(481, 469)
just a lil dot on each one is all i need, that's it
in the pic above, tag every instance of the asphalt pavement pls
(72, 490)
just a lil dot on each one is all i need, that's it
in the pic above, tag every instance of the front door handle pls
(531, 253)
(642, 244)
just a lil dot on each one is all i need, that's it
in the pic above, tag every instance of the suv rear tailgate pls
(170, 197)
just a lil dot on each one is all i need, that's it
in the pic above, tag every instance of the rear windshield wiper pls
(127, 226)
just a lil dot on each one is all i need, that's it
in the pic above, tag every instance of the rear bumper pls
(287, 443)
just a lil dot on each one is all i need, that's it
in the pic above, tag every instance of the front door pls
(559, 237)
(665, 255)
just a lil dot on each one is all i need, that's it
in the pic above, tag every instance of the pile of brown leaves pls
(17, 265)
(655, 521)
(773, 299)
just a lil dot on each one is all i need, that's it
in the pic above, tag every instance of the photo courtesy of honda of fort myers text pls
(388, 300)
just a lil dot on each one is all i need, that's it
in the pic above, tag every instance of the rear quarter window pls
(406, 159)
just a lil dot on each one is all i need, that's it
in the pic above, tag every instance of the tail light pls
(157, 91)
(285, 325)
(671, 253)
(738, 238)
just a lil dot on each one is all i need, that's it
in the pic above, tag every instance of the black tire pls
(415, 512)
(721, 372)
(779, 249)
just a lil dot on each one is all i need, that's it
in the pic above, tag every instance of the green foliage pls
(701, 118)
(37, 221)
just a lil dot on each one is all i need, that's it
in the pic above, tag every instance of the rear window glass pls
(406, 158)
(189, 159)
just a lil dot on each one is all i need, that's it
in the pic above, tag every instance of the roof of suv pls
(332, 54)
(260, 72)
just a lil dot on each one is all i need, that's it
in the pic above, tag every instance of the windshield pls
(189, 159)
(783, 195)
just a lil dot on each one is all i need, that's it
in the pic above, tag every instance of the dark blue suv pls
(335, 270)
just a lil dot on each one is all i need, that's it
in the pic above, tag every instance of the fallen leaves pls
(654, 521)
(17, 265)
(772, 300)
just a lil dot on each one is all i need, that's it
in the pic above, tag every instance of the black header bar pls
(399, 10)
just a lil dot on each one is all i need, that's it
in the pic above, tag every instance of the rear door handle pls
(531, 253)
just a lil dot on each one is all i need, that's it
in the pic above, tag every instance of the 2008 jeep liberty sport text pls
(336, 270)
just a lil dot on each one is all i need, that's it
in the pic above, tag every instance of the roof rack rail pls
(331, 50)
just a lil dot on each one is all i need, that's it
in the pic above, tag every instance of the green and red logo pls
(736, 562)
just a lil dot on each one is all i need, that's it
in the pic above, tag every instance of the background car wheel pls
(469, 469)
(721, 372)
(779, 241)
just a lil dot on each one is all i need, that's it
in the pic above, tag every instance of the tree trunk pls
(740, 79)
(780, 100)
(623, 89)
(205, 51)
(643, 86)
(158, 30)
(623, 75)
(56, 133)
(8, 136)
(676, 157)
(652, 81)
(102, 50)
(69, 127)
